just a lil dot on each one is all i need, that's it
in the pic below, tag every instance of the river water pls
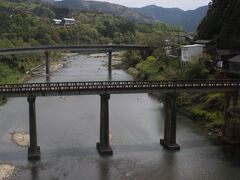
(68, 129)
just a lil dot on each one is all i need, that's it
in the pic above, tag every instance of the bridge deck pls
(82, 48)
(116, 87)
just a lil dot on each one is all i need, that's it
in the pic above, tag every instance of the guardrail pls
(98, 86)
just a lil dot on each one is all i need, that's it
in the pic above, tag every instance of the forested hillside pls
(189, 20)
(222, 23)
(108, 8)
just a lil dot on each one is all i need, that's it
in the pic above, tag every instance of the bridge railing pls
(98, 85)
(88, 48)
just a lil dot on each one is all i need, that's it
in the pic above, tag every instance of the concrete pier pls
(110, 62)
(230, 99)
(169, 140)
(143, 54)
(33, 150)
(47, 63)
(235, 98)
(103, 146)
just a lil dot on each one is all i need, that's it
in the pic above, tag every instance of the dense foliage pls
(222, 23)
(202, 107)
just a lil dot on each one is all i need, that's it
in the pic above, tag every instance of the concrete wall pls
(190, 52)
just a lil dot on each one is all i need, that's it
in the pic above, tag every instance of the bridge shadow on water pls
(92, 151)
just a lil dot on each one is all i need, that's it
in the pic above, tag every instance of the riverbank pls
(116, 57)
(35, 69)
(55, 65)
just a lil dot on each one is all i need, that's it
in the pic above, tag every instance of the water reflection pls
(35, 172)
(48, 79)
(104, 173)
(110, 76)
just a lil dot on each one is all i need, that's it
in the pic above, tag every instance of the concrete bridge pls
(106, 88)
(81, 48)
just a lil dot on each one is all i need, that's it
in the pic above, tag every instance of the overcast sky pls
(182, 4)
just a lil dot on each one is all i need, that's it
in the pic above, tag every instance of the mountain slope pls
(75, 4)
(119, 10)
(148, 14)
(109, 8)
(174, 16)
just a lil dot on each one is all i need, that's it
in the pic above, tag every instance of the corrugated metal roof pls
(201, 41)
(225, 52)
(192, 46)
(235, 59)
(69, 19)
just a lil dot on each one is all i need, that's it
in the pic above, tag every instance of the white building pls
(64, 21)
(190, 52)
(68, 21)
(57, 21)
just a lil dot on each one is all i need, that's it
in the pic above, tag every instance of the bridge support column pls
(235, 99)
(103, 146)
(169, 141)
(228, 128)
(47, 63)
(33, 150)
(110, 62)
(143, 56)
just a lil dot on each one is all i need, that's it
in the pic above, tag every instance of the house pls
(189, 52)
(168, 43)
(210, 45)
(57, 21)
(183, 39)
(203, 42)
(224, 55)
(64, 21)
(68, 21)
(234, 65)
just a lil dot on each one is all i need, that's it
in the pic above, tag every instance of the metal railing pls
(118, 85)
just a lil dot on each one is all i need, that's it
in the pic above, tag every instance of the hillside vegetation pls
(189, 20)
(107, 8)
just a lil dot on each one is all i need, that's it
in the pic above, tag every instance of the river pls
(68, 129)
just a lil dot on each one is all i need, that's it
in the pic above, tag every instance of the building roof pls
(235, 59)
(226, 52)
(190, 37)
(192, 46)
(57, 20)
(69, 19)
(201, 41)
